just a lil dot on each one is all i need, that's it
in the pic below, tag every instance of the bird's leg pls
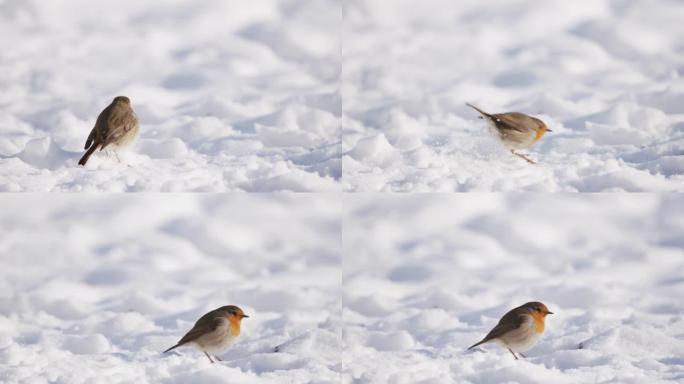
(523, 156)
(117, 157)
(511, 351)
(209, 357)
(520, 353)
(217, 358)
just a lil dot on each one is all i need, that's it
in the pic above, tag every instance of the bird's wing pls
(206, 324)
(90, 139)
(513, 121)
(509, 322)
(119, 124)
(102, 120)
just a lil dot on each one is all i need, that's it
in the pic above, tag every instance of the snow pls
(605, 75)
(348, 102)
(230, 97)
(362, 288)
(93, 287)
(427, 275)
(323, 95)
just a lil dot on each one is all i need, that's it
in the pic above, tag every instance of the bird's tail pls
(90, 139)
(483, 113)
(86, 156)
(172, 348)
(478, 343)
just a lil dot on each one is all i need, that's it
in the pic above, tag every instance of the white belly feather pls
(217, 341)
(521, 339)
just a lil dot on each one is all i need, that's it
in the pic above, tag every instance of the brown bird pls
(116, 127)
(516, 130)
(214, 332)
(519, 329)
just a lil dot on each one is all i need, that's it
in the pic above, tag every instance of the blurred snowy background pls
(230, 96)
(427, 276)
(93, 287)
(605, 75)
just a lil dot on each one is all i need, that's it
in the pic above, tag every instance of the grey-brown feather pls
(90, 139)
(510, 321)
(517, 121)
(515, 129)
(483, 113)
(116, 124)
(112, 124)
(206, 324)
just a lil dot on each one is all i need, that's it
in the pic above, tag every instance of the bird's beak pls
(549, 313)
(548, 130)
(243, 316)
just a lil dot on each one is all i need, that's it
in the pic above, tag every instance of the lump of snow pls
(627, 123)
(393, 341)
(43, 153)
(374, 150)
(163, 149)
(89, 344)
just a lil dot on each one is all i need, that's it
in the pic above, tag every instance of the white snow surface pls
(426, 276)
(231, 96)
(94, 287)
(605, 75)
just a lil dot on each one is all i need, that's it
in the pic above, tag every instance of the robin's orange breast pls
(538, 322)
(540, 133)
(234, 326)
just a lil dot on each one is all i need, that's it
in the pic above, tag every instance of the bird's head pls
(233, 313)
(541, 126)
(122, 99)
(536, 309)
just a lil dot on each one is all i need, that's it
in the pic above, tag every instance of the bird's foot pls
(524, 157)
(513, 353)
(209, 357)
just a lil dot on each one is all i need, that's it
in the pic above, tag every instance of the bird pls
(516, 130)
(116, 127)
(214, 332)
(519, 329)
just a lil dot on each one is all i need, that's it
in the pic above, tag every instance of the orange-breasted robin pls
(214, 332)
(519, 329)
(516, 130)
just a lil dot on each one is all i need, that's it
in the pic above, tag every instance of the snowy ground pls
(94, 287)
(426, 276)
(605, 75)
(230, 96)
